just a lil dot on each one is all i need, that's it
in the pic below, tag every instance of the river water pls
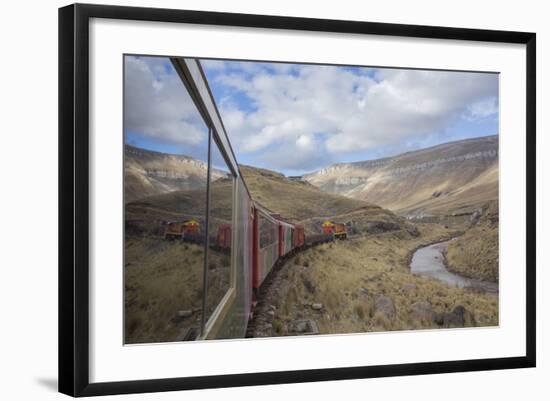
(429, 261)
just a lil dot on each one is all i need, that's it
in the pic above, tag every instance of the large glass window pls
(220, 228)
(165, 181)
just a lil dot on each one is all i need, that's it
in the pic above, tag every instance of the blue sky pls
(297, 118)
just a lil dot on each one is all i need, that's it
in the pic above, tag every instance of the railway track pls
(274, 289)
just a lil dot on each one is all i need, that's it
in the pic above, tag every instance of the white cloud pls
(304, 141)
(483, 108)
(157, 105)
(214, 65)
(305, 116)
(353, 112)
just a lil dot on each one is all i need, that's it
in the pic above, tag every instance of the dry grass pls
(476, 253)
(297, 201)
(162, 278)
(348, 276)
(456, 186)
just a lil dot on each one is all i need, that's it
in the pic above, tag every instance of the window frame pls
(211, 326)
(193, 78)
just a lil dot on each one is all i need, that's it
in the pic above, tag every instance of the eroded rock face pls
(305, 326)
(421, 180)
(474, 218)
(376, 227)
(422, 311)
(412, 230)
(385, 306)
(185, 313)
(300, 326)
(459, 317)
(152, 173)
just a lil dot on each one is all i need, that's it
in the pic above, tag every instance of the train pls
(338, 230)
(253, 239)
(273, 239)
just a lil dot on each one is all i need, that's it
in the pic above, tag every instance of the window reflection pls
(165, 181)
(220, 230)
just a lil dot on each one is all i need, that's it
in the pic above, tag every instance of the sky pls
(298, 118)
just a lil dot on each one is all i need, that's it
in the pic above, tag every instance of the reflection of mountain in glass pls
(152, 173)
(165, 239)
(164, 251)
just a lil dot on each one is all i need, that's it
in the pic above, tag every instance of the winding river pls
(429, 261)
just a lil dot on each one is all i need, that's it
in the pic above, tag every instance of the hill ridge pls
(410, 182)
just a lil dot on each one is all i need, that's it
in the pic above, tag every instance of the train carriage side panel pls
(268, 246)
(286, 240)
(255, 250)
(281, 236)
(223, 240)
(235, 321)
(299, 236)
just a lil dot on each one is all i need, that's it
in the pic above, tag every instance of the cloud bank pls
(314, 114)
(158, 109)
(296, 118)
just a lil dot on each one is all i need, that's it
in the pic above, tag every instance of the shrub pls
(278, 326)
(360, 311)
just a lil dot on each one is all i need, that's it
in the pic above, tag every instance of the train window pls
(268, 231)
(165, 182)
(220, 229)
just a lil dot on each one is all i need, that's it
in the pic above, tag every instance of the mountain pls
(451, 178)
(148, 173)
(301, 202)
(295, 201)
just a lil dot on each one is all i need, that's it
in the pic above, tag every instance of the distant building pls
(295, 178)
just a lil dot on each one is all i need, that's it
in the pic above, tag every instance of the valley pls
(390, 207)
(452, 178)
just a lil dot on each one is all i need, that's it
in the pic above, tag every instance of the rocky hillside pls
(453, 177)
(476, 253)
(301, 202)
(298, 202)
(149, 173)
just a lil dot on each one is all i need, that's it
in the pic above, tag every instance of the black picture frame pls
(74, 198)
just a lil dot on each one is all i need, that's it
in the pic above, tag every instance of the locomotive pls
(181, 230)
(188, 231)
(338, 230)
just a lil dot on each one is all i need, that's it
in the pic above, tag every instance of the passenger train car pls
(255, 239)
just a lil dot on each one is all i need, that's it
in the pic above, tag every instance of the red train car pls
(265, 246)
(286, 241)
(272, 239)
(299, 236)
(223, 239)
(257, 239)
